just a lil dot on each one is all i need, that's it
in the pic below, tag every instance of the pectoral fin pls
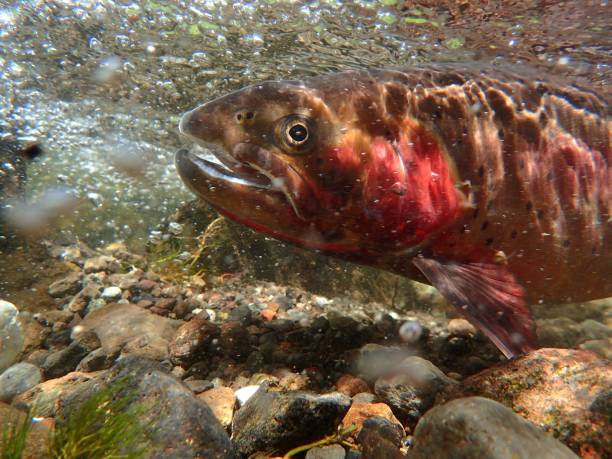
(489, 296)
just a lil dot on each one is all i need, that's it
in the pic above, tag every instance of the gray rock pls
(272, 420)
(101, 263)
(558, 332)
(326, 452)
(62, 362)
(96, 360)
(68, 285)
(17, 379)
(380, 438)
(476, 427)
(412, 390)
(118, 325)
(11, 334)
(593, 330)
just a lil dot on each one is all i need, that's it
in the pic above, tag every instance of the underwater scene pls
(305, 229)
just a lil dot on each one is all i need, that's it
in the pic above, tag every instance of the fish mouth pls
(217, 165)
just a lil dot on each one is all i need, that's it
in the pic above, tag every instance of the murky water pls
(101, 83)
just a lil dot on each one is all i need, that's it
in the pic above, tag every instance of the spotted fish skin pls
(534, 159)
(493, 187)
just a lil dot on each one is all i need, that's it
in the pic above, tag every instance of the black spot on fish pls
(529, 129)
(481, 171)
(504, 113)
(485, 225)
(522, 164)
(549, 176)
(540, 214)
(489, 241)
(566, 243)
(396, 101)
(500, 134)
(543, 119)
(513, 234)
(529, 206)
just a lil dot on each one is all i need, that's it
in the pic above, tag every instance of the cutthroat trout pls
(497, 190)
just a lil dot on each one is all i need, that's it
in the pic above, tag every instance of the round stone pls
(11, 334)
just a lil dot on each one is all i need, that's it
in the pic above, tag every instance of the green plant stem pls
(329, 440)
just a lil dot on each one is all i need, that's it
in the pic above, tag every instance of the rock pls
(111, 293)
(326, 452)
(199, 385)
(359, 412)
(68, 285)
(97, 360)
(275, 420)
(364, 397)
(350, 385)
(557, 389)
(63, 362)
(476, 427)
(375, 360)
(221, 400)
(80, 301)
(49, 395)
(461, 327)
(234, 340)
(380, 438)
(593, 330)
(101, 263)
(412, 389)
(192, 341)
(558, 332)
(17, 379)
(177, 423)
(38, 435)
(119, 324)
(601, 347)
(11, 335)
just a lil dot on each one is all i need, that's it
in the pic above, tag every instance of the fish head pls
(298, 161)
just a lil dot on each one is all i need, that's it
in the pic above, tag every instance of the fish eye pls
(295, 134)
(298, 132)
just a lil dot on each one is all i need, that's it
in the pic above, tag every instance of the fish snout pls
(199, 124)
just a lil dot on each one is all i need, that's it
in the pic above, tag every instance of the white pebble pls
(245, 393)
(410, 331)
(110, 293)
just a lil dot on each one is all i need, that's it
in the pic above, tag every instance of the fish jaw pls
(261, 206)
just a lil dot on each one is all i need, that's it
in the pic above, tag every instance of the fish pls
(492, 185)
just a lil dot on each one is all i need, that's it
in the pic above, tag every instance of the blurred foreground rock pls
(476, 428)
(566, 392)
(11, 335)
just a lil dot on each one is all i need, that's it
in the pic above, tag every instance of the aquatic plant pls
(105, 426)
(14, 436)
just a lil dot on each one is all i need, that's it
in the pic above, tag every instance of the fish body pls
(497, 190)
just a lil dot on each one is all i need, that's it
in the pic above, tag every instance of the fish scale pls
(493, 187)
